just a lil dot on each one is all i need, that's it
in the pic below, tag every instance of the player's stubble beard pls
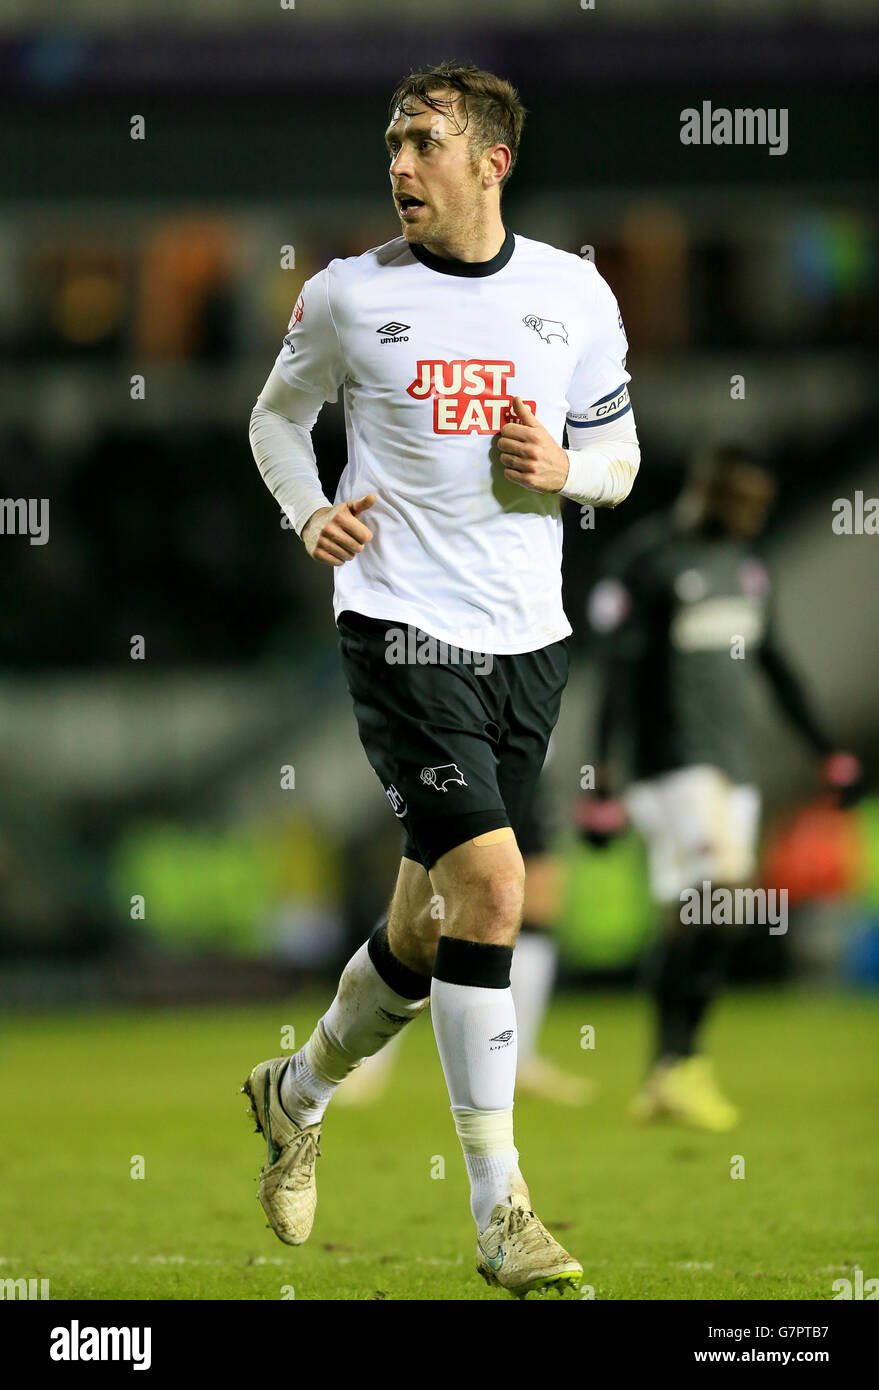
(450, 231)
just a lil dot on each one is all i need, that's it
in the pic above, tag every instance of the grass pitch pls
(652, 1214)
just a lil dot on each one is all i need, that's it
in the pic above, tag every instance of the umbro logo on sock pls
(502, 1039)
(392, 1018)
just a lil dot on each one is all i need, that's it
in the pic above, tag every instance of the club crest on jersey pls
(546, 328)
(469, 397)
(439, 776)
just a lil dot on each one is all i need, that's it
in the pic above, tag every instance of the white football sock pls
(532, 976)
(491, 1159)
(475, 1030)
(365, 1014)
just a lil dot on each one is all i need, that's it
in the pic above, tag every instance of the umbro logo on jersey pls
(394, 332)
(546, 328)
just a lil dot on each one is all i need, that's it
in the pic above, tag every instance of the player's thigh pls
(533, 686)
(645, 807)
(744, 820)
(428, 732)
(543, 869)
(700, 808)
(543, 889)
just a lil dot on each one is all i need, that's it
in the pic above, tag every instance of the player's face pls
(436, 188)
(741, 499)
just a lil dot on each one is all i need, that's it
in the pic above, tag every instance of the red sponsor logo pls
(469, 396)
(296, 316)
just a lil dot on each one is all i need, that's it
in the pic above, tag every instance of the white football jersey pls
(430, 353)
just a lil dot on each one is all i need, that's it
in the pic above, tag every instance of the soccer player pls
(685, 593)
(462, 349)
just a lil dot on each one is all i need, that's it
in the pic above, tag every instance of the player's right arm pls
(603, 450)
(308, 371)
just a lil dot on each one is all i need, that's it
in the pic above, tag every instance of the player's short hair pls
(711, 460)
(732, 452)
(493, 113)
(708, 465)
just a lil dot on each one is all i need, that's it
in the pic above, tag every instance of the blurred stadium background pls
(160, 778)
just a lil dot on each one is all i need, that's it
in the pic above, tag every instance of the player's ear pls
(498, 160)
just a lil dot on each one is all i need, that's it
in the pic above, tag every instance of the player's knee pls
(488, 899)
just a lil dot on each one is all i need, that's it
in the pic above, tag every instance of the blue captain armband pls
(610, 407)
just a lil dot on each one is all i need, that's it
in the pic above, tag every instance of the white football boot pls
(287, 1188)
(517, 1252)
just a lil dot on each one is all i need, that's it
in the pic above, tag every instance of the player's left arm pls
(600, 465)
(841, 770)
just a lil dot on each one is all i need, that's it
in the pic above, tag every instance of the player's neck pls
(482, 245)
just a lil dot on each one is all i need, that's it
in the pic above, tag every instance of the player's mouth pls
(409, 207)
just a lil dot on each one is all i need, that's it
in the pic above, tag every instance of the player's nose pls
(401, 165)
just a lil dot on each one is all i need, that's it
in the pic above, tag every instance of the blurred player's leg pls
(698, 828)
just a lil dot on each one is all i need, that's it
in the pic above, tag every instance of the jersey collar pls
(446, 266)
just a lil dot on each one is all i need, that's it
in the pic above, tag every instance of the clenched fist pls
(333, 535)
(529, 453)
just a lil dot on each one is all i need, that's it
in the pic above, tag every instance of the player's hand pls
(529, 453)
(599, 819)
(334, 534)
(842, 773)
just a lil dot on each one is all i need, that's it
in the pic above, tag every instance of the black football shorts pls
(457, 745)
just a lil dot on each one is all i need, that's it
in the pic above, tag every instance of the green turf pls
(651, 1214)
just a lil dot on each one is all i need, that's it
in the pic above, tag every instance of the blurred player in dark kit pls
(685, 607)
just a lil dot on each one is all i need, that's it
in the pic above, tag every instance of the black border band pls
(449, 266)
(472, 963)
(397, 976)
